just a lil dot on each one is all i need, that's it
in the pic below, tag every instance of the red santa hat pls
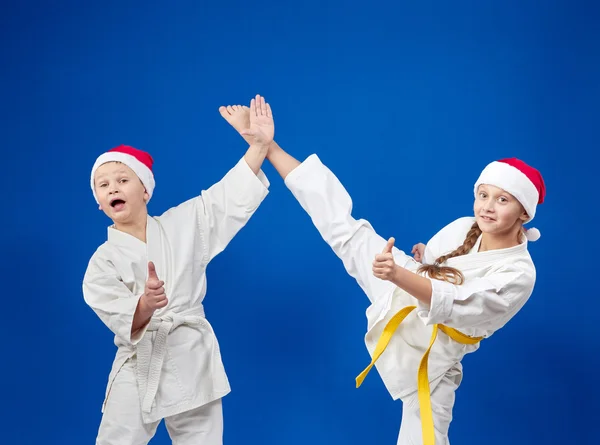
(137, 160)
(520, 180)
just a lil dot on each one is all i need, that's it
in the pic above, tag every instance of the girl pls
(475, 275)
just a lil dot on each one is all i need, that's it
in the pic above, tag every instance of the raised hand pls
(384, 265)
(418, 252)
(154, 293)
(262, 126)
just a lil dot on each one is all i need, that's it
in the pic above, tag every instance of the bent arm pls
(116, 306)
(484, 303)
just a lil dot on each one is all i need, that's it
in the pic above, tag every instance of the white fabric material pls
(443, 391)
(122, 422)
(514, 181)
(139, 168)
(498, 283)
(152, 356)
(178, 349)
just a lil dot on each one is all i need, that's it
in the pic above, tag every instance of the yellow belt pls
(423, 378)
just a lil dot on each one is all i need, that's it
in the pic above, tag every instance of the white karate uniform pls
(497, 284)
(172, 367)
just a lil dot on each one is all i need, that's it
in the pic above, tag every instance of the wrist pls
(257, 150)
(273, 149)
(145, 310)
(262, 147)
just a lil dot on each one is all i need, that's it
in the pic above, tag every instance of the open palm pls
(262, 126)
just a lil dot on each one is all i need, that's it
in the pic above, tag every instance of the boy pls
(147, 283)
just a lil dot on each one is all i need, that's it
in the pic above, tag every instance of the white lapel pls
(158, 251)
(119, 238)
(479, 260)
(153, 249)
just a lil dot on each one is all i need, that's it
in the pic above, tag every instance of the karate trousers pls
(122, 418)
(442, 401)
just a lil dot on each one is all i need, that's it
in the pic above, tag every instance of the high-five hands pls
(262, 126)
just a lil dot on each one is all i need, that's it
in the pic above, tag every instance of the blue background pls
(405, 102)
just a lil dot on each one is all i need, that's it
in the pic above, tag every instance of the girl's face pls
(498, 212)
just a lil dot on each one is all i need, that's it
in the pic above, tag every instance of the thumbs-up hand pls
(154, 293)
(384, 266)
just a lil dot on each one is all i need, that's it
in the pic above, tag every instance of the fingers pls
(155, 291)
(152, 271)
(258, 102)
(157, 302)
(382, 273)
(161, 301)
(259, 107)
(388, 247)
(387, 264)
(416, 252)
(383, 265)
(384, 257)
(155, 285)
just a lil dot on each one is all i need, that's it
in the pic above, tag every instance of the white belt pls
(150, 359)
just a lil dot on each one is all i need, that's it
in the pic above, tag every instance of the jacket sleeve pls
(111, 300)
(355, 242)
(485, 303)
(224, 209)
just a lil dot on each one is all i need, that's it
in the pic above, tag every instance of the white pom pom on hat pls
(532, 234)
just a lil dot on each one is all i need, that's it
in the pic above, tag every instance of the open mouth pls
(117, 203)
(487, 218)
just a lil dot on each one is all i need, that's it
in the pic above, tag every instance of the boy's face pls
(121, 194)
